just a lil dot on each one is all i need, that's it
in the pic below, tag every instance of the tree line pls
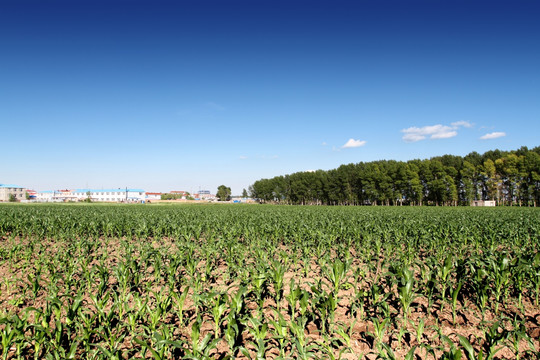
(508, 177)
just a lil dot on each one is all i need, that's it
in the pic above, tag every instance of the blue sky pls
(182, 95)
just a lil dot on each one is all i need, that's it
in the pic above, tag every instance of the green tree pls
(223, 193)
(491, 181)
(244, 193)
(12, 198)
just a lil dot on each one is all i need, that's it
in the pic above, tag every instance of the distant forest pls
(509, 177)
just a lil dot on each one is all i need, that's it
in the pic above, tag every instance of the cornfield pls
(268, 282)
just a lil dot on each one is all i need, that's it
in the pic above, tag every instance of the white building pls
(483, 203)
(45, 196)
(204, 195)
(55, 196)
(110, 195)
(9, 189)
(152, 196)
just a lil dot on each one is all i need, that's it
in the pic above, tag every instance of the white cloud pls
(414, 134)
(354, 143)
(243, 157)
(463, 123)
(323, 144)
(444, 135)
(493, 135)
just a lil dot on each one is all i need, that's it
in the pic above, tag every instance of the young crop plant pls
(218, 305)
(325, 305)
(500, 275)
(336, 275)
(277, 273)
(406, 292)
(379, 331)
(280, 330)
(258, 331)
(198, 347)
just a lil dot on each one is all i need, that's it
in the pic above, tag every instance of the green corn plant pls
(303, 351)
(481, 287)
(179, 301)
(345, 333)
(419, 329)
(303, 302)
(325, 306)
(376, 295)
(399, 336)
(515, 337)
(133, 315)
(280, 332)
(198, 348)
(160, 342)
(327, 348)
(406, 290)
(259, 331)
(85, 325)
(297, 328)
(62, 353)
(293, 297)
(388, 354)
(260, 288)
(379, 330)
(11, 334)
(520, 271)
(113, 354)
(237, 302)
(232, 334)
(218, 306)
(451, 354)
(455, 293)
(336, 274)
(536, 276)
(306, 265)
(34, 286)
(492, 339)
(357, 307)
(277, 273)
(443, 276)
(501, 276)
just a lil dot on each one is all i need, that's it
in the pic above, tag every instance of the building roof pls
(11, 186)
(106, 190)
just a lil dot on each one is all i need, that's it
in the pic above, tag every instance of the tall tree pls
(223, 193)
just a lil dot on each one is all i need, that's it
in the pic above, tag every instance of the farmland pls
(233, 281)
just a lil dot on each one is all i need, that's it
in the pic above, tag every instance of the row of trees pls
(509, 177)
(176, 196)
